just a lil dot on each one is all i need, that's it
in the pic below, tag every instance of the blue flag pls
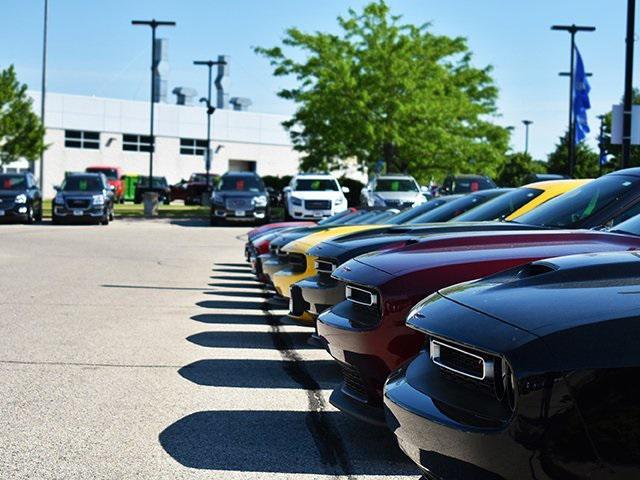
(581, 103)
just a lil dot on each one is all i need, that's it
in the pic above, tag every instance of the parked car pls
(114, 177)
(20, 197)
(366, 332)
(394, 191)
(82, 197)
(129, 182)
(240, 196)
(465, 184)
(192, 191)
(314, 196)
(320, 292)
(528, 374)
(159, 185)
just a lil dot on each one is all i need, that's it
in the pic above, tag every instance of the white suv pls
(314, 196)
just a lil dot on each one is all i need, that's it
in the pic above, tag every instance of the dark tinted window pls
(316, 185)
(572, 208)
(457, 207)
(500, 207)
(13, 182)
(468, 184)
(79, 183)
(395, 185)
(198, 178)
(414, 212)
(110, 173)
(158, 182)
(339, 217)
(81, 139)
(240, 183)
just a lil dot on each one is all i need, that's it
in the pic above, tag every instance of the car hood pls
(11, 193)
(401, 196)
(81, 194)
(556, 294)
(303, 244)
(317, 195)
(455, 249)
(277, 226)
(239, 194)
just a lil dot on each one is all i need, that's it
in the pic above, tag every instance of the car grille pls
(365, 306)
(317, 204)
(297, 304)
(398, 203)
(78, 202)
(298, 261)
(459, 361)
(238, 203)
(354, 384)
(6, 201)
(360, 296)
(325, 266)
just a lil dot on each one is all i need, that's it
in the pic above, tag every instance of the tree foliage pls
(586, 166)
(517, 168)
(380, 82)
(21, 132)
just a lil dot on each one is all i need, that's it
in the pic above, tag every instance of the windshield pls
(110, 173)
(573, 208)
(244, 183)
(339, 217)
(501, 207)
(158, 182)
(457, 207)
(13, 182)
(198, 178)
(411, 213)
(396, 185)
(631, 226)
(316, 185)
(82, 184)
(472, 184)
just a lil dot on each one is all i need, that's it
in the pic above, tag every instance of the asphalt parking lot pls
(145, 350)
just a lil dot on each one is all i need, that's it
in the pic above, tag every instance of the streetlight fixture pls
(572, 29)
(210, 109)
(43, 91)
(601, 146)
(628, 84)
(526, 123)
(154, 24)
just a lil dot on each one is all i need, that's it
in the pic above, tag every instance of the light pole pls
(601, 145)
(154, 24)
(210, 110)
(526, 123)
(628, 84)
(572, 29)
(43, 91)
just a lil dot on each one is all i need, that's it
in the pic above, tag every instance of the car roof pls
(85, 174)
(565, 182)
(398, 176)
(112, 167)
(468, 175)
(314, 175)
(238, 174)
(635, 171)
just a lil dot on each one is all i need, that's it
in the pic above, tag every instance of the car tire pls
(105, 220)
(111, 215)
(55, 219)
(39, 215)
(214, 221)
(287, 216)
(29, 220)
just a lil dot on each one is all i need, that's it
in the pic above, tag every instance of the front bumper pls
(302, 213)
(221, 212)
(285, 278)
(315, 295)
(271, 264)
(92, 212)
(13, 211)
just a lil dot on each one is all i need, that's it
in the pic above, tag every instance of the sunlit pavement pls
(146, 350)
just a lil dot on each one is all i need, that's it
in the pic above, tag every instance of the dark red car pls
(114, 178)
(366, 333)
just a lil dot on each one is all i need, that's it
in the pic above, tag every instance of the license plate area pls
(240, 213)
(77, 212)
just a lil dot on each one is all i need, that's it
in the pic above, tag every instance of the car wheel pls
(213, 221)
(55, 220)
(39, 215)
(111, 215)
(105, 220)
(30, 218)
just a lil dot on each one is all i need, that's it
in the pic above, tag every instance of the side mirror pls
(345, 190)
(56, 188)
(270, 190)
(286, 190)
(425, 189)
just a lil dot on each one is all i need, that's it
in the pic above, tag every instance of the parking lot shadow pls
(238, 278)
(230, 318)
(280, 442)
(246, 270)
(243, 265)
(191, 222)
(253, 285)
(259, 373)
(297, 340)
(230, 304)
(226, 293)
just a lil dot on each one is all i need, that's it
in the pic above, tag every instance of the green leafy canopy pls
(383, 82)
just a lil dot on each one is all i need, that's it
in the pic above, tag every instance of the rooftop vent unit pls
(241, 104)
(184, 95)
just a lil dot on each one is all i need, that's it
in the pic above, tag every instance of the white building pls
(84, 131)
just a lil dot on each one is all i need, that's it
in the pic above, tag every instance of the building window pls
(82, 139)
(136, 143)
(191, 146)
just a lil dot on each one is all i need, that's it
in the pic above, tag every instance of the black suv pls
(84, 196)
(455, 184)
(159, 185)
(240, 196)
(20, 197)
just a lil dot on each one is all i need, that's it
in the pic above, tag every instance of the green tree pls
(517, 167)
(381, 83)
(21, 132)
(586, 159)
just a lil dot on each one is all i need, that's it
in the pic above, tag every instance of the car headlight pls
(59, 199)
(98, 200)
(338, 201)
(296, 201)
(22, 198)
(217, 199)
(260, 201)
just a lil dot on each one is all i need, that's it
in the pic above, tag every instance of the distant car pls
(191, 191)
(466, 184)
(159, 186)
(528, 374)
(114, 177)
(394, 191)
(314, 196)
(239, 196)
(129, 182)
(20, 197)
(82, 197)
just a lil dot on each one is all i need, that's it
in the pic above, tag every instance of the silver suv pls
(398, 191)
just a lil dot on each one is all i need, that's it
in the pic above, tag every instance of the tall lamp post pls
(44, 89)
(210, 109)
(154, 24)
(602, 157)
(526, 123)
(572, 29)
(628, 84)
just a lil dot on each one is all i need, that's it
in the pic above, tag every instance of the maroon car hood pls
(454, 249)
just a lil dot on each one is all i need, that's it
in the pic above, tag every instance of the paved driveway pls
(145, 350)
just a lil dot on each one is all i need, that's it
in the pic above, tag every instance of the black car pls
(240, 196)
(528, 374)
(466, 184)
(20, 197)
(82, 197)
(159, 185)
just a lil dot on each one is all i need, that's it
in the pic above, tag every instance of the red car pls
(366, 333)
(114, 175)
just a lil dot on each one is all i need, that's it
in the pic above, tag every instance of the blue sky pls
(93, 49)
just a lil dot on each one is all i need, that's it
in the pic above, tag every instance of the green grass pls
(132, 210)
